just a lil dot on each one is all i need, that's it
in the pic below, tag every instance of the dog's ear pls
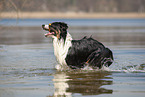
(63, 28)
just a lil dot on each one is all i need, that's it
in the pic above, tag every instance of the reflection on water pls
(27, 61)
(84, 83)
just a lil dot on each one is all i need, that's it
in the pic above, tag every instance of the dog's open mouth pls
(46, 27)
(48, 34)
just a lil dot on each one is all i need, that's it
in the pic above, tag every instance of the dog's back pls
(90, 51)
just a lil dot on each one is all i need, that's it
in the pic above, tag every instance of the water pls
(27, 62)
(76, 22)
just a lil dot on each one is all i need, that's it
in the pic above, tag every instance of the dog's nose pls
(43, 26)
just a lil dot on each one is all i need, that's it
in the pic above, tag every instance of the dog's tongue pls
(47, 34)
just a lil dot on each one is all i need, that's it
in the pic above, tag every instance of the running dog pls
(77, 54)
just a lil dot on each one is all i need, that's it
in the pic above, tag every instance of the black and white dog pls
(77, 54)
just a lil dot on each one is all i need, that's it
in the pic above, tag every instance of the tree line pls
(87, 6)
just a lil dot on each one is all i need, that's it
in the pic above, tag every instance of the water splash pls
(126, 69)
(130, 69)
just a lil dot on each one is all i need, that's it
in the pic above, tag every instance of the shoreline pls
(68, 15)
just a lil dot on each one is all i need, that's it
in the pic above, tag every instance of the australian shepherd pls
(77, 54)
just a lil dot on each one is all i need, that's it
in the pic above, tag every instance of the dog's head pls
(56, 29)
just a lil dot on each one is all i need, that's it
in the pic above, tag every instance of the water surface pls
(27, 62)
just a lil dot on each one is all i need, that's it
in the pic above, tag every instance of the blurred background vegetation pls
(87, 6)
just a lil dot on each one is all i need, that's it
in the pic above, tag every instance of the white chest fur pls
(61, 49)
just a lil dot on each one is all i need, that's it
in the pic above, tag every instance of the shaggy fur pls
(77, 53)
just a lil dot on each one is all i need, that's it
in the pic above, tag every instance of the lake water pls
(27, 62)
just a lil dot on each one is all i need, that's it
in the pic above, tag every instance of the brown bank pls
(69, 15)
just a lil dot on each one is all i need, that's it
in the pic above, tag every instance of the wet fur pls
(77, 54)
